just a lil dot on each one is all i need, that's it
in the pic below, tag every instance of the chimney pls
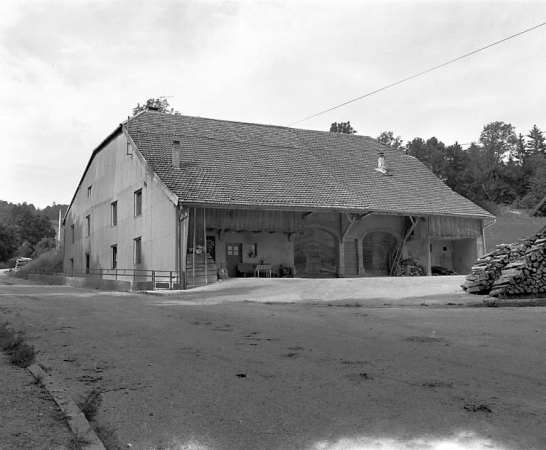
(381, 161)
(176, 154)
(382, 165)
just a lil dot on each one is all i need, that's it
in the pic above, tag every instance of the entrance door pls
(376, 250)
(211, 246)
(315, 254)
(234, 256)
(351, 257)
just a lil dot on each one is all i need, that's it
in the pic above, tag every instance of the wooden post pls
(183, 224)
(193, 254)
(205, 244)
(429, 250)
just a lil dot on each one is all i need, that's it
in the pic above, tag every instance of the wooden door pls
(376, 250)
(315, 254)
(351, 257)
(234, 256)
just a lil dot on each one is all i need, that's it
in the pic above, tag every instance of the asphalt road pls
(184, 373)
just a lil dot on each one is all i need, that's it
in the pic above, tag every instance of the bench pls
(245, 269)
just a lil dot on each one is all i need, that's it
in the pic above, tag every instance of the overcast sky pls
(71, 71)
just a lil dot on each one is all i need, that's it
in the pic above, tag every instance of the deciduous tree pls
(161, 104)
(342, 127)
(387, 137)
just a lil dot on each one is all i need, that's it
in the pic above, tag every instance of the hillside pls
(511, 225)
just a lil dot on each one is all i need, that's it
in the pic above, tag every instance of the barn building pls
(193, 197)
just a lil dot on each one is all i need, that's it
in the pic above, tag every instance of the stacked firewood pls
(510, 269)
(526, 276)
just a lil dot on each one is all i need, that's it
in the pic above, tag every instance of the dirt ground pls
(178, 372)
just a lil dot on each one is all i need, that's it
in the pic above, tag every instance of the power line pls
(419, 74)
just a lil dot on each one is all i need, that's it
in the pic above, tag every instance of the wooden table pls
(262, 268)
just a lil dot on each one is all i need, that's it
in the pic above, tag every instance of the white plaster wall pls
(273, 248)
(115, 176)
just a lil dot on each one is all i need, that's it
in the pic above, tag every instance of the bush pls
(46, 264)
(20, 353)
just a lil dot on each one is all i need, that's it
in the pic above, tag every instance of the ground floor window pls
(114, 256)
(87, 262)
(138, 250)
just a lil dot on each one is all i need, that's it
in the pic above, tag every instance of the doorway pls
(315, 254)
(234, 256)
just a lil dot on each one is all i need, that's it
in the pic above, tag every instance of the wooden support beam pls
(353, 218)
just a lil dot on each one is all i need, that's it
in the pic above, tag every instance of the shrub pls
(46, 264)
(90, 404)
(20, 353)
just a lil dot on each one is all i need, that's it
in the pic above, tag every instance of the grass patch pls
(89, 405)
(512, 224)
(13, 343)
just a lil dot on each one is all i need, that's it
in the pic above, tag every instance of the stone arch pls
(316, 253)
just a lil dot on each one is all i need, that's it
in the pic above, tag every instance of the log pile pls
(409, 268)
(511, 269)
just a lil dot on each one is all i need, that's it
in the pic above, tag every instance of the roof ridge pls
(252, 123)
(213, 138)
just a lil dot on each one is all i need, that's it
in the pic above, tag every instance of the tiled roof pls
(244, 164)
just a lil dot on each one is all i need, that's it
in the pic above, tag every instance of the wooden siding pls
(254, 220)
(315, 254)
(449, 227)
(377, 248)
(351, 257)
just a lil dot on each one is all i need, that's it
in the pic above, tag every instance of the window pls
(253, 251)
(72, 232)
(138, 250)
(89, 190)
(114, 210)
(138, 203)
(88, 226)
(87, 262)
(71, 267)
(114, 256)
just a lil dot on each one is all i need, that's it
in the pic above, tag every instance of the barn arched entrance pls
(377, 247)
(315, 254)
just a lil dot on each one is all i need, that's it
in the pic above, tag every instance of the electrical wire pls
(419, 74)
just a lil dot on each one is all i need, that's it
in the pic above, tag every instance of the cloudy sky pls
(71, 71)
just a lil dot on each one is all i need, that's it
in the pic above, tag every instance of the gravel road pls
(177, 373)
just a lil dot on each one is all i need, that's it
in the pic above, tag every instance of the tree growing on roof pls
(387, 137)
(342, 127)
(161, 104)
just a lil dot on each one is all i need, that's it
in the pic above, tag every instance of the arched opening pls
(315, 254)
(377, 247)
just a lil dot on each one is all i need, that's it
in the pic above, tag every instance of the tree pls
(161, 104)
(44, 246)
(430, 153)
(498, 140)
(342, 127)
(8, 242)
(387, 137)
(537, 182)
(30, 226)
(536, 143)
